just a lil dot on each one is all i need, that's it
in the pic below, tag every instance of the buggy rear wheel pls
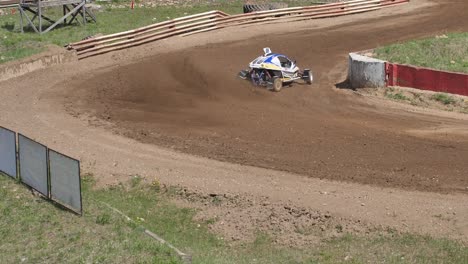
(277, 84)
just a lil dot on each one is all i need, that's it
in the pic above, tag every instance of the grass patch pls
(35, 231)
(444, 98)
(395, 95)
(447, 52)
(424, 99)
(404, 248)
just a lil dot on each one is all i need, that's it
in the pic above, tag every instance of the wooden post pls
(40, 15)
(64, 8)
(21, 19)
(83, 10)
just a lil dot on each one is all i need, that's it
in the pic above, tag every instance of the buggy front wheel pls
(277, 84)
(310, 79)
(307, 76)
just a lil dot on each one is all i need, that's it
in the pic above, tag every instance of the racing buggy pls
(273, 70)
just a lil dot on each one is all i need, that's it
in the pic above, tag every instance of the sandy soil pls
(322, 149)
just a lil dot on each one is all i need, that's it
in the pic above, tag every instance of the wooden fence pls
(213, 20)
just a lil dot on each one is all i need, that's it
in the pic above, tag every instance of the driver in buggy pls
(285, 63)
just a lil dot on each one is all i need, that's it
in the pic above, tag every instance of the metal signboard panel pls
(8, 152)
(65, 184)
(33, 164)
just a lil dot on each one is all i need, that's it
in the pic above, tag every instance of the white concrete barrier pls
(366, 72)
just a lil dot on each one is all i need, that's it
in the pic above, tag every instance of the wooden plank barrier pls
(214, 20)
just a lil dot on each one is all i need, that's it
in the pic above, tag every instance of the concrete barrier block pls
(366, 72)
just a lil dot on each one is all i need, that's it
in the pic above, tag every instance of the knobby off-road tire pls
(277, 84)
(310, 79)
(278, 5)
(307, 76)
(248, 8)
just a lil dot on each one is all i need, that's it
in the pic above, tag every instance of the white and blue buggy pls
(274, 70)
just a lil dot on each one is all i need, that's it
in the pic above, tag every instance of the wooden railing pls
(9, 3)
(216, 20)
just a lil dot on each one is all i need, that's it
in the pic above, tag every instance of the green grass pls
(33, 230)
(444, 98)
(399, 96)
(449, 52)
(14, 45)
(404, 248)
(441, 101)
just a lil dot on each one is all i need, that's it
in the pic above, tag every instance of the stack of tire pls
(248, 8)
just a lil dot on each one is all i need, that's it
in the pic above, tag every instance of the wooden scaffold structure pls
(75, 9)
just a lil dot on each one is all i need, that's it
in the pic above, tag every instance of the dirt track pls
(191, 101)
(318, 131)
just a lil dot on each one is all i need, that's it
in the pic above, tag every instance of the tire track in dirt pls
(191, 101)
